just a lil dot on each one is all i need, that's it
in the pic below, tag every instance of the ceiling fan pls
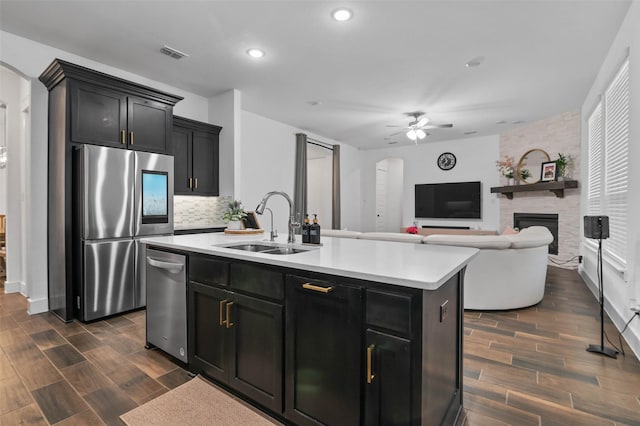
(416, 128)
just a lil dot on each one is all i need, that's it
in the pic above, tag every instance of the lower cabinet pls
(238, 340)
(388, 379)
(317, 349)
(323, 361)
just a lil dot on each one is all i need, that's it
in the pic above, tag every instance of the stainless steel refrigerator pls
(119, 197)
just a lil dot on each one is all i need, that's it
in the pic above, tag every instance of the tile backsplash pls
(193, 210)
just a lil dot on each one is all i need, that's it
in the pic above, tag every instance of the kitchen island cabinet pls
(236, 338)
(359, 346)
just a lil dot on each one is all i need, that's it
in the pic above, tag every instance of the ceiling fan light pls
(412, 134)
(420, 134)
(422, 122)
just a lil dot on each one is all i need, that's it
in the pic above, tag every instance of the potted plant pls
(234, 215)
(564, 163)
(524, 175)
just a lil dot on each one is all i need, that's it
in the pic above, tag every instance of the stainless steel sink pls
(268, 248)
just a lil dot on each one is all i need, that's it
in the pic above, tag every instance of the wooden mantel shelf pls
(555, 187)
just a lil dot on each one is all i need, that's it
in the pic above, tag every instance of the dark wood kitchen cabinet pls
(87, 106)
(110, 117)
(319, 349)
(236, 338)
(196, 150)
(323, 373)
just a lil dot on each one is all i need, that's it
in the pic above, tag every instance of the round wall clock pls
(446, 161)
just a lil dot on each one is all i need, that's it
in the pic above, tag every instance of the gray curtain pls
(300, 182)
(335, 217)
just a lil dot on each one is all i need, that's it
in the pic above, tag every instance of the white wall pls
(225, 110)
(476, 159)
(268, 164)
(622, 289)
(320, 189)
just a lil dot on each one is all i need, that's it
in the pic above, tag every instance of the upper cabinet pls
(108, 111)
(196, 157)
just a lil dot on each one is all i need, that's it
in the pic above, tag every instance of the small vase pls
(234, 225)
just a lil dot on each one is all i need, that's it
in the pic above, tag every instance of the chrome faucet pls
(274, 232)
(292, 219)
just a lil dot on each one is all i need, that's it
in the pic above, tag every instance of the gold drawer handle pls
(310, 286)
(222, 320)
(123, 137)
(131, 137)
(196, 183)
(229, 323)
(370, 375)
(190, 183)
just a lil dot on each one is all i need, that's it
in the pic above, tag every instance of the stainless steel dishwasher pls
(167, 302)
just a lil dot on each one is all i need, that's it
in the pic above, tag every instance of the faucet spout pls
(292, 220)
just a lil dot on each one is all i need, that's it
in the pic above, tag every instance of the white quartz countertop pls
(413, 265)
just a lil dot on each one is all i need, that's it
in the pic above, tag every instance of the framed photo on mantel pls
(549, 171)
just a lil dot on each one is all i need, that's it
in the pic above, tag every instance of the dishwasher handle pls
(170, 266)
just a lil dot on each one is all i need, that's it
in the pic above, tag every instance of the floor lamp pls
(597, 227)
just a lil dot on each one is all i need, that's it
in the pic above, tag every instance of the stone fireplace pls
(524, 220)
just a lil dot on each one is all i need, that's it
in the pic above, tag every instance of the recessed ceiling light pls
(255, 53)
(475, 62)
(342, 15)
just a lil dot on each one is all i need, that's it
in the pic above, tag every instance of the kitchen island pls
(350, 332)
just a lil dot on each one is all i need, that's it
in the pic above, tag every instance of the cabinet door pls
(255, 349)
(181, 141)
(98, 115)
(388, 380)
(205, 163)
(149, 125)
(323, 374)
(207, 334)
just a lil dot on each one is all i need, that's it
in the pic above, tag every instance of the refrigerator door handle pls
(171, 267)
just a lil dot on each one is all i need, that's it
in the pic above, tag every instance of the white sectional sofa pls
(508, 273)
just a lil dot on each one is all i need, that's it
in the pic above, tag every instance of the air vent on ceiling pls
(174, 53)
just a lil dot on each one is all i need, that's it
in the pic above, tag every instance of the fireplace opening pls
(525, 220)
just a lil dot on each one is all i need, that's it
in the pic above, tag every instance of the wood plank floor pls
(521, 367)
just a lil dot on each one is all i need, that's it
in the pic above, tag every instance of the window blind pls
(616, 165)
(594, 193)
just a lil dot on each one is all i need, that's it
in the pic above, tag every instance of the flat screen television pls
(457, 200)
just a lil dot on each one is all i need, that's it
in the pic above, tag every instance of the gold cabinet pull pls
(131, 137)
(190, 183)
(370, 375)
(222, 320)
(123, 137)
(229, 323)
(196, 183)
(318, 288)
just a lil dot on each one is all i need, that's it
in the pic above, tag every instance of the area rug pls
(196, 403)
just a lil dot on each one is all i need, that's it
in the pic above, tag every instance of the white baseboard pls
(12, 287)
(38, 306)
(632, 339)
(23, 288)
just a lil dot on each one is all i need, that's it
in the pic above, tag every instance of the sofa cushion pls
(391, 236)
(497, 242)
(341, 233)
(533, 236)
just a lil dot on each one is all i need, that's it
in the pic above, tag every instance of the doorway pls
(389, 191)
(320, 183)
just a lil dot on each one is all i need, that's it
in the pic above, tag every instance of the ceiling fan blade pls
(437, 126)
(423, 121)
